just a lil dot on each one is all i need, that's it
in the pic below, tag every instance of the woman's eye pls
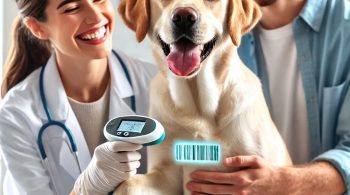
(70, 9)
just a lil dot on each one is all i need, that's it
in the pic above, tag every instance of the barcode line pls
(186, 152)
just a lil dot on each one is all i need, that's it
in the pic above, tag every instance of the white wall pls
(9, 12)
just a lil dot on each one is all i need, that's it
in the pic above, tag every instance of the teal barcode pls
(196, 152)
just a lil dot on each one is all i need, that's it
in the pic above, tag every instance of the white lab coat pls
(22, 115)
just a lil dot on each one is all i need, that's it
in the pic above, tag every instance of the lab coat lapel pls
(61, 111)
(118, 107)
(120, 90)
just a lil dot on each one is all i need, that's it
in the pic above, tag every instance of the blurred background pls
(123, 39)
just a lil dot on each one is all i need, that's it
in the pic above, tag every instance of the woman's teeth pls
(95, 35)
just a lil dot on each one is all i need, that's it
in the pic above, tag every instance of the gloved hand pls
(111, 164)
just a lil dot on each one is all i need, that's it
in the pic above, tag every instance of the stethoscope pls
(67, 131)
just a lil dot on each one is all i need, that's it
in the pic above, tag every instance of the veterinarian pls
(301, 52)
(62, 84)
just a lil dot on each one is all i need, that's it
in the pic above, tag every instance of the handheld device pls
(134, 129)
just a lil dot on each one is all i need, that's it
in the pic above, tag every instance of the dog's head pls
(189, 31)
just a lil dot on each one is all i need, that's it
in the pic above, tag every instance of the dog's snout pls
(184, 17)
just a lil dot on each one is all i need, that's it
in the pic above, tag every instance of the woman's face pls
(80, 28)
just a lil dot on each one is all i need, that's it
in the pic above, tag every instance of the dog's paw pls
(135, 186)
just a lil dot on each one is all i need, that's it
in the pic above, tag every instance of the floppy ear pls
(243, 15)
(135, 14)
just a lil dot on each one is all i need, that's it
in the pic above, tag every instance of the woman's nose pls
(93, 14)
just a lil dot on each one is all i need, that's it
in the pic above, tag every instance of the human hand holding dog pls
(256, 176)
(111, 164)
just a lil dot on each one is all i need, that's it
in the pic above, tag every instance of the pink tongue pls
(184, 58)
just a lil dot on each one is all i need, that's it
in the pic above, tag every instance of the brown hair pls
(27, 52)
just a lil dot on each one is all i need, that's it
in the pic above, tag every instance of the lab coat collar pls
(119, 83)
(55, 94)
(313, 13)
(120, 88)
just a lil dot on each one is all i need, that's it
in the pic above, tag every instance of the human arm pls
(112, 163)
(259, 177)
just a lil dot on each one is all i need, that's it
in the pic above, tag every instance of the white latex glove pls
(111, 164)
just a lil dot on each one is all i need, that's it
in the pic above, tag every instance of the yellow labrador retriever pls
(203, 90)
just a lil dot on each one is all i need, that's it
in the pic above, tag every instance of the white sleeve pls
(21, 158)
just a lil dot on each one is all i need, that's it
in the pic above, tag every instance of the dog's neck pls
(202, 93)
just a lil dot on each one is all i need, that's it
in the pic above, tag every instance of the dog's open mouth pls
(184, 57)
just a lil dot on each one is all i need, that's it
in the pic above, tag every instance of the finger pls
(119, 146)
(125, 157)
(131, 173)
(127, 175)
(129, 166)
(211, 188)
(236, 178)
(252, 161)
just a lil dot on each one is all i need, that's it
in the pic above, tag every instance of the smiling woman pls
(63, 77)
(123, 38)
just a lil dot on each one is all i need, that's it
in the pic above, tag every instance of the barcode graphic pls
(196, 152)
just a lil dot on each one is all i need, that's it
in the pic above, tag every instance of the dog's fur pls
(221, 101)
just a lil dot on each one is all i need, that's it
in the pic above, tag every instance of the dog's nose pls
(184, 17)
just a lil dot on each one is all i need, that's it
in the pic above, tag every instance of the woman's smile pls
(94, 36)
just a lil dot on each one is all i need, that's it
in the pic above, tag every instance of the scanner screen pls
(131, 126)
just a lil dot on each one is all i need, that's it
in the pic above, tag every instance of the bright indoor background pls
(123, 39)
